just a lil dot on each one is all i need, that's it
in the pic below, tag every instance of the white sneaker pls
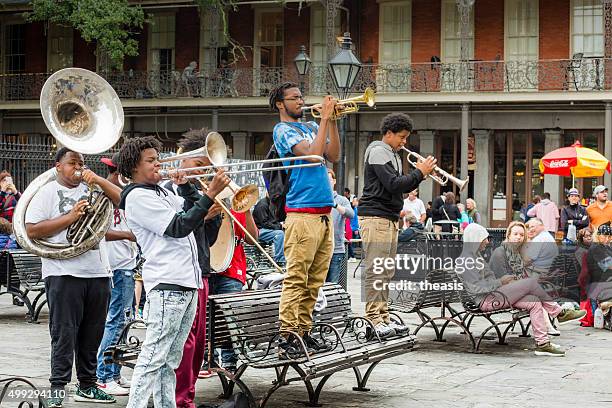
(139, 325)
(123, 382)
(383, 330)
(553, 332)
(112, 388)
(351, 260)
(399, 328)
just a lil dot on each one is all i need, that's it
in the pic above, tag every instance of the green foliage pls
(108, 23)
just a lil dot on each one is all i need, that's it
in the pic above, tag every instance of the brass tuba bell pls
(83, 112)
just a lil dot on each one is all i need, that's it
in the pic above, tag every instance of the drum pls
(222, 252)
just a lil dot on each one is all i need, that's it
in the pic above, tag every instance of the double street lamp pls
(344, 68)
(302, 65)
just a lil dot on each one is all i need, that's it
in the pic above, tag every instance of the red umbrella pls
(576, 161)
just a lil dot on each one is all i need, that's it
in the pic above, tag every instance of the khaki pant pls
(379, 242)
(308, 249)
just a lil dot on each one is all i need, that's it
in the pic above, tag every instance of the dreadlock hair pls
(59, 155)
(193, 139)
(129, 155)
(278, 94)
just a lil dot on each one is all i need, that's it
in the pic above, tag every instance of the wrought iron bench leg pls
(37, 307)
(235, 379)
(228, 386)
(362, 381)
(428, 320)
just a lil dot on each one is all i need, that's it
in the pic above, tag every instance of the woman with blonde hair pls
(506, 259)
(472, 212)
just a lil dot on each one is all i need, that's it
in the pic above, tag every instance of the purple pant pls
(526, 294)
(193, 354)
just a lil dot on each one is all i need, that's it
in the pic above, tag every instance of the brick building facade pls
(535, 75)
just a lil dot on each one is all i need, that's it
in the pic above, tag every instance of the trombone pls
(440, 176)
(346, 106)
(314, 161)
(243, 198)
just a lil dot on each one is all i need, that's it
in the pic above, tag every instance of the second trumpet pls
(346, 106)
(440, 176)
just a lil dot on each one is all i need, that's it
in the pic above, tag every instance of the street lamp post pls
(344, 68)
(302, 64)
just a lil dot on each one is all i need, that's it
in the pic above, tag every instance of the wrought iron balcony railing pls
(572, 75)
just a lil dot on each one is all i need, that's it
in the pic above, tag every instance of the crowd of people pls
(162, 230)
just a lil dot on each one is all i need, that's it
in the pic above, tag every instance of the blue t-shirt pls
(308, 186)
(355, 220)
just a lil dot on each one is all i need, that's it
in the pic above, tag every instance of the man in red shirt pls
(232, 280)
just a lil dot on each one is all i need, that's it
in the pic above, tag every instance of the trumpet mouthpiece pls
(164, 173)
(78, 173)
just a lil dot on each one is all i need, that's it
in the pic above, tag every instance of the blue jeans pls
(333, 275)
(169, 315)
(219, 285)
(122, 295)
(277, 237)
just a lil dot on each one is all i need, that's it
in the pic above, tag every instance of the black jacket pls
(576, 213)
(206, 234)
(384, 185)
(263, 217)
(436, 209)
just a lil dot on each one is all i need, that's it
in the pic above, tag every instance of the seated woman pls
(506, 259)
(492, 293)
(599, 261)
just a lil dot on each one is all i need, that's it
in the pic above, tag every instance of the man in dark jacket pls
(379, 210)
(270, 230)
(574, 214)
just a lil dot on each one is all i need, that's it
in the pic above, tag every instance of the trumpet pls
(346, 106)
(440, 176)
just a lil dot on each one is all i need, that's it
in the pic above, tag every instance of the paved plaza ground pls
(434, 375)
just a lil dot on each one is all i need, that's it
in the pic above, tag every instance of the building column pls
(552, 183)
(465, 132)
(240, 145)
(608, 142)
(364, 138)
(214, 120)
(483, 172)
(426, 141)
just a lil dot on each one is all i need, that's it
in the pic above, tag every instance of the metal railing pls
(573, 75)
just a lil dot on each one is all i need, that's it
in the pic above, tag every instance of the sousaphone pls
(83, 112)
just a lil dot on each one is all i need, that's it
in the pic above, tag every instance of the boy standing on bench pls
(171, 273)
(308, 228)
(379, 211)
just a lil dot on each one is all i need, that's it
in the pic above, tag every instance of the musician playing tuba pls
(379, 210)
(78, 288)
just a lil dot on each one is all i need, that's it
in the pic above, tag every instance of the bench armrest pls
(355, 323)
(324, 331)
(246, 344)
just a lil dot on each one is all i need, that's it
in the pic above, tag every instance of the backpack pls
(277, 181)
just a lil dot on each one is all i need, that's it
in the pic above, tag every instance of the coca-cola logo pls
(554, 164)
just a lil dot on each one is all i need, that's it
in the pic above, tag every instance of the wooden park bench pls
(416, 302)
(247, 322)
(20, 274)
